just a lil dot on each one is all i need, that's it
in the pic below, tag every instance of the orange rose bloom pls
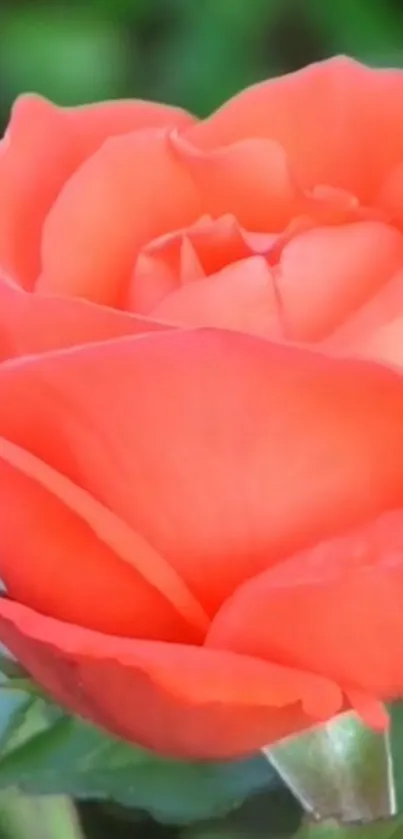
(201, 408)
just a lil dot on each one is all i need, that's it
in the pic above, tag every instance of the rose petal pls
(335, 610)
(327, 273)
(385, 344)
(224, 451)
(327, 118)
(376, 329)
(100, 120)
(190, 265)
(34, 323)
(391, 195)
(372, 711)
(210, 245)
(241, 296)
(119, 199)
(34, 571)
(152, 280)
(250, 179)
(43, 146)
(217, 243)
(52, 560)
(204, 248)
(187, 702)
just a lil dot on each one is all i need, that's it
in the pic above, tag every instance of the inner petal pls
(241, 296)
(327, 273)
(128, 192)
(189, 254)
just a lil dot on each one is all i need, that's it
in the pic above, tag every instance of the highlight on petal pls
(326, 116)
(335, 609)
(384, 345)
(184, 701)
(269, 448)
(29, 570)
(326, 273)
(151, 280)
(375, 330)
(43, 146)
(241, 296)
(35, 323)
(132, 190)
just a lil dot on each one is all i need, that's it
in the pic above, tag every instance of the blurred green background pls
(195, 53)
(192, 52)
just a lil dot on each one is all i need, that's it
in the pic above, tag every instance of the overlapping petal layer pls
(247, 449)
(181, 701)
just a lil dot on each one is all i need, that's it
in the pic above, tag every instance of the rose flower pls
(201, 408)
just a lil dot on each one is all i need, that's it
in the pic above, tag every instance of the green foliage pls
(192, 52)
(371, 31)
(42, 751)
(271, 814)
(45, 752)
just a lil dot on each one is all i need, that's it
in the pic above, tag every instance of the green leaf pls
(22, 716)
(53, 817)
(71, 757)
(268, 814)
(10, 669)
(388, 829)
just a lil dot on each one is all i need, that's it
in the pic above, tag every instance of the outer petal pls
(327, 273)
(42, 148)
(131, 190)
(336, 610)
(180, 700)
(95, 122)
(326, 117)
(226, 452)
(35, 323)
(68, 556)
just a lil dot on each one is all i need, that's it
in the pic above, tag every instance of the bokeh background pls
(195, 53)
(192, 52)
